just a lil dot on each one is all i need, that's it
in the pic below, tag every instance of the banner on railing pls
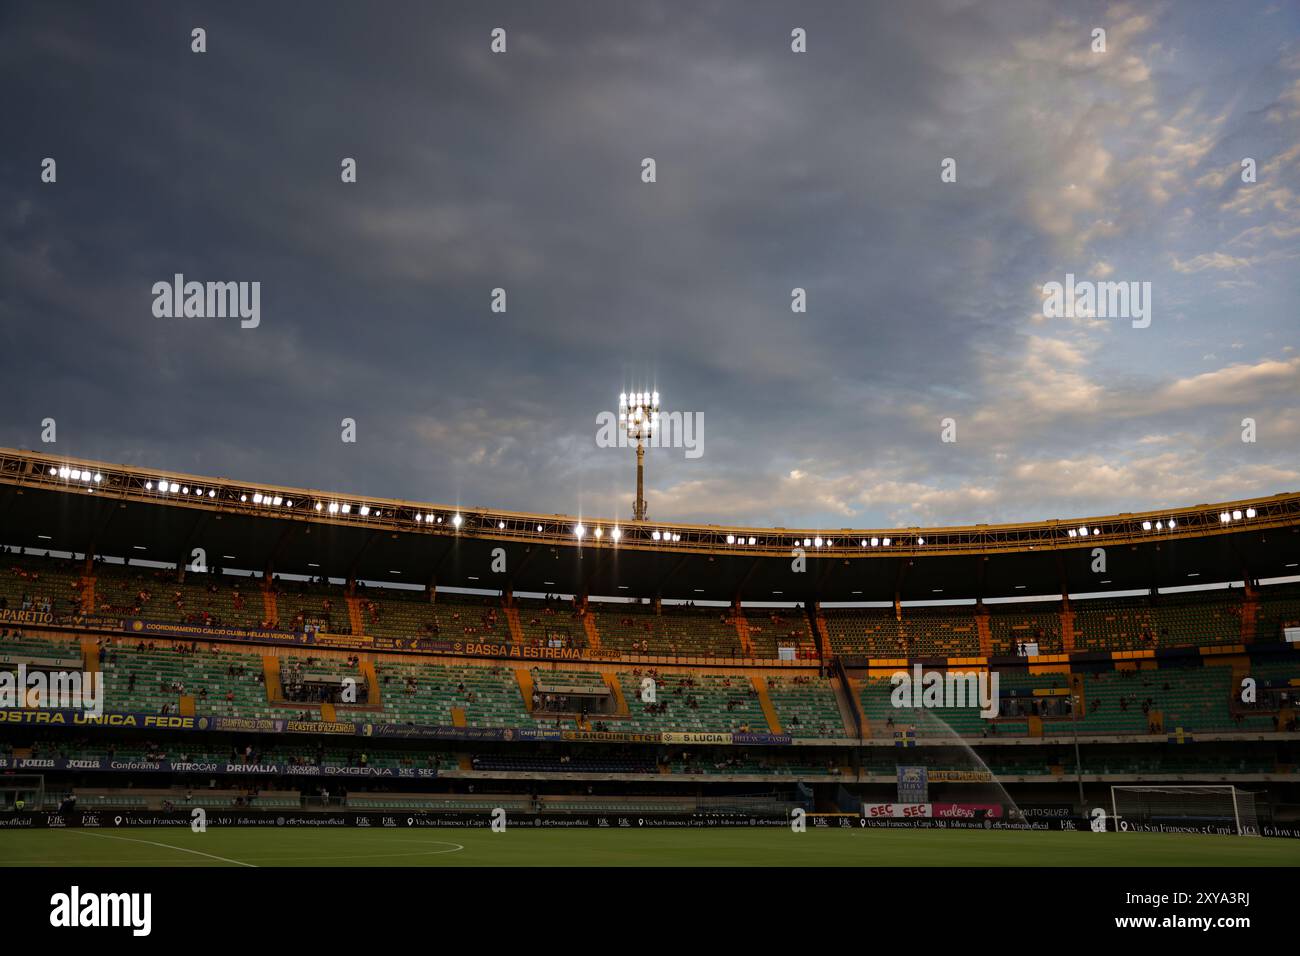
(51, 764)
(277, 725)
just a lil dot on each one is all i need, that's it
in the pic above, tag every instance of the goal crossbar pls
(1188, 805)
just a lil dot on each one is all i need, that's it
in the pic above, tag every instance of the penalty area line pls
(210, 856)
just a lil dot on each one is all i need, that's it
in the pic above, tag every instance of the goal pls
(1222, 809)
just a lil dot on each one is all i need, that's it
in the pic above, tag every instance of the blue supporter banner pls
(31, 716)
(37, 717)
(761, 739)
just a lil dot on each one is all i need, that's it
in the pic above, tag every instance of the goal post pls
(1222, 807)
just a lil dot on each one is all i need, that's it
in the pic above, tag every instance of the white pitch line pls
(455, 848)
(210, 856)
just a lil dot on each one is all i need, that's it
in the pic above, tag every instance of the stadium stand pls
(1171, 700)
(307, 605)
(153, 677)
(1144, 623)
(470, 700)
(921, 631)
(772, 628)
(1114, 624)
(1014, 624)
(886, 720)
(703, 703)
(427, 693)
(1190, 619)
(1279, 605)
(26, 646)
(805, 706)
(404, 613)
(872, 631)
(39, 584)
(675, 630)
(940, 632)
(551, 623)
(163, 677)
(154, 594)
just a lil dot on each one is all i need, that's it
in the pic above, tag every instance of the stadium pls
(353, 673)
(792, 456)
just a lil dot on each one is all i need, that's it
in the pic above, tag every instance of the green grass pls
(590, 847)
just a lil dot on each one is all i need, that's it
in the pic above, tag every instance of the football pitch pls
(261, 847)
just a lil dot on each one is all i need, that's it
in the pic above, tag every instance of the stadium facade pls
(272, 649)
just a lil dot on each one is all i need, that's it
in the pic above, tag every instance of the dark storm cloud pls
(522, 171)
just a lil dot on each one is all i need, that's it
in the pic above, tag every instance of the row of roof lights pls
(456, 520)
(1165, 524)
(335, 508)
(166, 486)
(76, 474)
(163, 486)
(673, 536)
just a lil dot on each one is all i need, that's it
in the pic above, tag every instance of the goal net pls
(1212, 809)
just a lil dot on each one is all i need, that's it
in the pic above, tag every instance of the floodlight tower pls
(638, 415)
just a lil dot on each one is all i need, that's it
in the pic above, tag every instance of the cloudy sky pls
(775, 170)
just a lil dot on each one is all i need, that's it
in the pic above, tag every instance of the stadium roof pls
(74, 505)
